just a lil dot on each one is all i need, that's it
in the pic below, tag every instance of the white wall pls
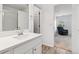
(75, 28)
(0, 18)
(63, 12)
(47, 24)
(63, 9)
(31, 18)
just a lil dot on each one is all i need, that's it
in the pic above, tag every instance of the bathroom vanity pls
(14, 18)
(28, 43)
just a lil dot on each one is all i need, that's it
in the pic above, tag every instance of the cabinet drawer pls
(30, 51)
(8, 52)
(27, 46)
(38, 49)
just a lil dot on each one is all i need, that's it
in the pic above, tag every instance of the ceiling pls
(63, 7)
(41, 6)
(23, 6)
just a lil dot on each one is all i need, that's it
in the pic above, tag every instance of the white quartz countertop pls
(9, 41)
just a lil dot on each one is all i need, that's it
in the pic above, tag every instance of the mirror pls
(15, 16)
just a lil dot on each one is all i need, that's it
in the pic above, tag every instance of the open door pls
(36, 20)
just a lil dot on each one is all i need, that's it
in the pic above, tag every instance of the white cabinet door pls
(8, 52)
(21, 49)
(29, 47)
(30, 51)
(37, 49)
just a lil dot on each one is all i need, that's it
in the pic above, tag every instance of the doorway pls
(62, 36)
(36, 20)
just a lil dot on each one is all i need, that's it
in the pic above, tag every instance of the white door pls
(22, 20)
(38, 49)
(29, 52)
(36, 20)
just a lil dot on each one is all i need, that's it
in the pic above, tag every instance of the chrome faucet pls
(20, 33)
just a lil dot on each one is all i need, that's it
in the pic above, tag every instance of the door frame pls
(39, 17)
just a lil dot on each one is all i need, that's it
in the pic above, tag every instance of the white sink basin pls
(23, 36)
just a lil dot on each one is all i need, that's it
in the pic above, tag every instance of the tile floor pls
(62, 45)
(65, 41)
